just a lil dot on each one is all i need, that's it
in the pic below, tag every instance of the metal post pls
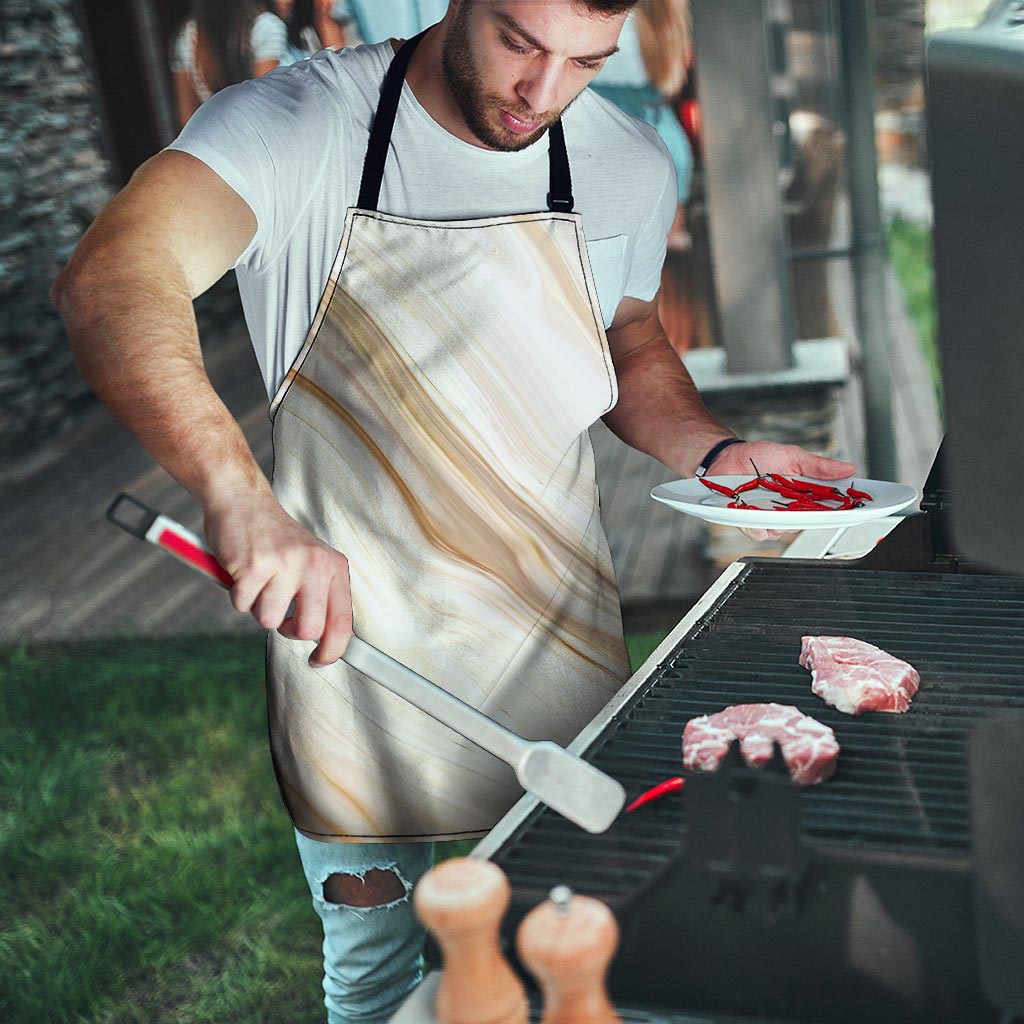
(748, 236)
(867, 237)
(154, 67)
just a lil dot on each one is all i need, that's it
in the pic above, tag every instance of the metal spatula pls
(564, 782)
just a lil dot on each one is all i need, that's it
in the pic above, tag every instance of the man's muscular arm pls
(126, 301)
(659, 410)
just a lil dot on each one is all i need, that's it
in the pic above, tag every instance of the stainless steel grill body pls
(878, 922)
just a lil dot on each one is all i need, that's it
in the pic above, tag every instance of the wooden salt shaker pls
(462, 902)
(567, 943)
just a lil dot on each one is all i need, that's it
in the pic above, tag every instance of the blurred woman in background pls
(645, 78)
(648, 73)
(221, 43)
(314, 24)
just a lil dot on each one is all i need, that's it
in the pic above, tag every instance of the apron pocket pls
(608, 265)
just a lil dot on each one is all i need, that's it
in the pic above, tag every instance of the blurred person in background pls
(647, 75)
(313, 25)
(221, 43)
(372, 21)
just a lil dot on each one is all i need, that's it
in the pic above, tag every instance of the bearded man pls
(449, 254)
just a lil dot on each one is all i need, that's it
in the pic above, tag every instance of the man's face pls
(513, 66)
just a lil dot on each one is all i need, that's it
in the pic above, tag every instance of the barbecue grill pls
(745, 896)
(894, 892)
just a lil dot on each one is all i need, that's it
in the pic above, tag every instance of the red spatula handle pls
(147, 524)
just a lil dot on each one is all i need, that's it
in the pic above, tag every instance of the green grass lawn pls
(148, 868)
(910, 247)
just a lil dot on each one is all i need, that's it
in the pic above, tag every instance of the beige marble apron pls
(433, 428)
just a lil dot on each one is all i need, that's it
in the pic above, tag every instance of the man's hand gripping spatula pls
(564, 782)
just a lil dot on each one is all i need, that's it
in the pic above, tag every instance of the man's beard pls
(463, 80)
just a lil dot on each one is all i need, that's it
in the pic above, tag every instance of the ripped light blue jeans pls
(372, 955)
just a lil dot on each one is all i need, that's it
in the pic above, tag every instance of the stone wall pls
(54, 178)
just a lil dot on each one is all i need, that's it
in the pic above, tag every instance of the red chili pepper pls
(808, 487)
(720, 488)
(823, 503)
(863, 495)
(789, 492)
(656, 793)
(772, 485)
(806, 505)
(750, 485)
(793, 485)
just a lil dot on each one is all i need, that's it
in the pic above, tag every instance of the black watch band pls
(705, 463)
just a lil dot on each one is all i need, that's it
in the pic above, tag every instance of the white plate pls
(693, 498)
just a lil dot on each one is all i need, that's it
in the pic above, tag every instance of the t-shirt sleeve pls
(649, 250)
(269, 139)
(269, 38)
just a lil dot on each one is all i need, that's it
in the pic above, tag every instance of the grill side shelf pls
(524, 813)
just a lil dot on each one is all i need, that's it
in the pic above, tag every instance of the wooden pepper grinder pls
(462, 902)
(567, 943)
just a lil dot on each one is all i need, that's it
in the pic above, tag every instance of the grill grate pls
(902, 779)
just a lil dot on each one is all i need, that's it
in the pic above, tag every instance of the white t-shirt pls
(292, 144)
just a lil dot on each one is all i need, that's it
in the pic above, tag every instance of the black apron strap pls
(383, 123)
(559, 197)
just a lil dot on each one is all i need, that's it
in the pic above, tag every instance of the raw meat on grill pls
(809, 748)
(855, 677)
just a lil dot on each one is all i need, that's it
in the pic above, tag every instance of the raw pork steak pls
(855, 677)
(809, 748)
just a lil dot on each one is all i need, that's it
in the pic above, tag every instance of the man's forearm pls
(134, 337)
(660, 411)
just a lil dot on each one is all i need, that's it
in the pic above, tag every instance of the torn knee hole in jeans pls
(371, 889)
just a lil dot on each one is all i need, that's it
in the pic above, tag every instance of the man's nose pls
(539, 91)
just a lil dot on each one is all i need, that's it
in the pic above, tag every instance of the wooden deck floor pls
(73, 575)
(76, 575)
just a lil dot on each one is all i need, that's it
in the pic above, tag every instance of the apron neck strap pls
(559, 197)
